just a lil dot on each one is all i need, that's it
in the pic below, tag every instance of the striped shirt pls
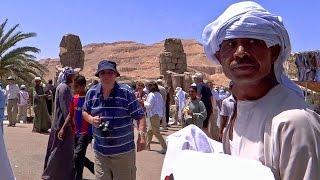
(118, 109)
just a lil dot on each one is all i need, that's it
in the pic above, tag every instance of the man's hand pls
(95, 121)
(60, 134)
(141, 143)
(140, 100)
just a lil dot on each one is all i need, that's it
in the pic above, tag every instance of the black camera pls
(104, 126)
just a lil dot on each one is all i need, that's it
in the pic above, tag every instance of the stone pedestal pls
(173, 57)
(187, 81)
(71, 53)
(177, 81)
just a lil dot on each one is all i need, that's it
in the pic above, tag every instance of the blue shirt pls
(118, 109)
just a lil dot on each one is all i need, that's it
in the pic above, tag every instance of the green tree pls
(19, 62)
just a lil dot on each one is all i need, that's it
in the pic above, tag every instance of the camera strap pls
(112, 104)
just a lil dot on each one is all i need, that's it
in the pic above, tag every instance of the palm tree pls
(18, 62)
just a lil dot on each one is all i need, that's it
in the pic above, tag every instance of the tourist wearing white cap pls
(272, 124)
(23, 104)
(12, 93)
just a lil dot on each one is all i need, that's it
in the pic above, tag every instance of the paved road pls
(26, 152)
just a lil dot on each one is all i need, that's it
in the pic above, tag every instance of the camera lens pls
(104, 126)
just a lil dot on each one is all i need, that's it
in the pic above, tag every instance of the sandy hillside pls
(139, 61)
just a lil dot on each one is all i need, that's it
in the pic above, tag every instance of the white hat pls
(23, 86)
(198, 75)
(159, 81)
(10, 78)
(37, 79)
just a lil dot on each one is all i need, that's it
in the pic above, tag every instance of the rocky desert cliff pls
(140, 61)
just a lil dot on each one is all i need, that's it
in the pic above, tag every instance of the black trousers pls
(80, 159)
(49, 106)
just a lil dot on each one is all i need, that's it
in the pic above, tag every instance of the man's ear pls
(217, 55)
(275, 52)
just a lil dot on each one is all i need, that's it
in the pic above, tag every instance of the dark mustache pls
(243, 61)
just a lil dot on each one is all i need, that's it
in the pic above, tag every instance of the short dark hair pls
(50, 81)
(95, 82)
(80, 80)
(140, 83)
(153, 86)
(193, 88)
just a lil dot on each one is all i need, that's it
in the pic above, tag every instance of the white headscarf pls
(250, 20)
(66, 71)
(181, 95)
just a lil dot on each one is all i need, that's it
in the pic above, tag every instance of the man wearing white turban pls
(272, 123)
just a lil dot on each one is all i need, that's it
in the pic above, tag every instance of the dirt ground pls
(26, 151)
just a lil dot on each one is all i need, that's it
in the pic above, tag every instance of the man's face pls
(38, 82)
(149, 87)
(107, 76)
(10, 81)
(140, 88)
(246, 60)
(192, 93)
(197, 80)
(70, 79)
(78, 88)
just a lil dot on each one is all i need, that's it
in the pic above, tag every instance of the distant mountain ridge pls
(136, 60)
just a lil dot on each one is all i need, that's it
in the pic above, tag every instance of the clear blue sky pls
(145, 21)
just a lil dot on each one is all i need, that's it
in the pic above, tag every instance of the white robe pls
(5, 168)
(281, 132)
(193, 155)
(181, 95)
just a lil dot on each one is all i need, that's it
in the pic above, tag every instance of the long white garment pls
(192, 165)
(5, 168)
(188, 138)
(181, 95)
(24, 97)
(193, 155)
(281, 132)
